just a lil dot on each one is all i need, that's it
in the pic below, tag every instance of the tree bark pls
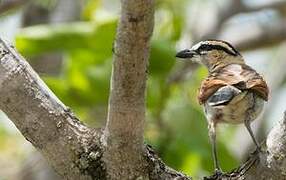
(123, 134)
(41, 117)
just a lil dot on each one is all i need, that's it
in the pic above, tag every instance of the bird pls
(232, 93)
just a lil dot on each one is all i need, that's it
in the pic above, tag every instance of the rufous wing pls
(260, 87)
(208, 87)
(241, 76)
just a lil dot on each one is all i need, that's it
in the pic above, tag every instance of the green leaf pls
(98, 37)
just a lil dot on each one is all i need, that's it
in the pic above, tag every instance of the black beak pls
(187, 53)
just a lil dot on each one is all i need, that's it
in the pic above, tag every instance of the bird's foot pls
(218, 172)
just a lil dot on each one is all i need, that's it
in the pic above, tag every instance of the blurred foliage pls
(9, 147)
(176, 126)
(45, 3)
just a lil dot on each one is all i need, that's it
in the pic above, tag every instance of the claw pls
(218, 175)
(218, 172)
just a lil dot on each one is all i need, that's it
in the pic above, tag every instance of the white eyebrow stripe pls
(196, 46)
(225, 46)
(214, 43)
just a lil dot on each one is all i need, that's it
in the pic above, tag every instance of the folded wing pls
(239, 76)
(223, 96)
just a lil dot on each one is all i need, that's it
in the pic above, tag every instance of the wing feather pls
(223, 96)
(240, 76)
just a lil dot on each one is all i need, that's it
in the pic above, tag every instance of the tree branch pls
(123, 135)
(41, 117)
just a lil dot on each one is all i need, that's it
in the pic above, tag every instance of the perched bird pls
(232, 93)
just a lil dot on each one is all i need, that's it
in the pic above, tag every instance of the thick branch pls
(126, 114)
(41, 117)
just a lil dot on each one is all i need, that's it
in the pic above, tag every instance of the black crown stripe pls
(227, 43)
(209, 47)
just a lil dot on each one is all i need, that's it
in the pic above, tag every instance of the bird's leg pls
(212, 136)
(248, 127)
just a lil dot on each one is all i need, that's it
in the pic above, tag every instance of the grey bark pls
(42, 119)
(36, 167)
(79, 152)
(123, 135)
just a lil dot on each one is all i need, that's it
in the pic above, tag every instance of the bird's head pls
(212, 54)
